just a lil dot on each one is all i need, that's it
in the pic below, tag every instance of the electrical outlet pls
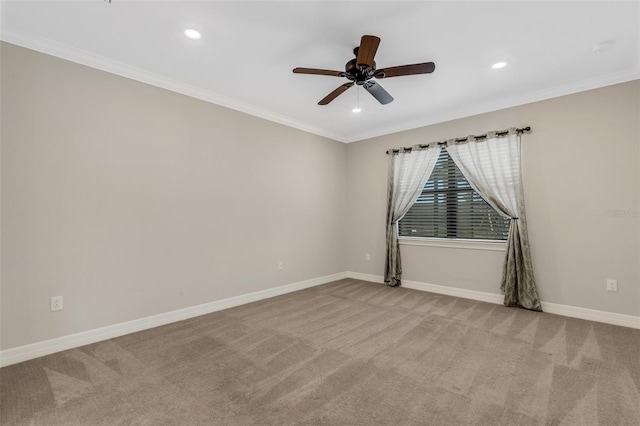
(280, 265)
(612, 285)
(56, 303)
(367, 257)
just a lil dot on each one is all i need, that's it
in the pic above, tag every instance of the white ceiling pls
(248, 49)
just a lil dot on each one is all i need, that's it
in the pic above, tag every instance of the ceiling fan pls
(362, 69)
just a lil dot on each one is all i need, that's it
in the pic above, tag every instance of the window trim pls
(455, 243)
(448, 191)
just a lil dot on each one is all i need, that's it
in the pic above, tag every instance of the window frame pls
(453, 242)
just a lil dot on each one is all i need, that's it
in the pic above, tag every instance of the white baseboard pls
(592, 315)
(454, 291)
(433, 288)
(552, 308)
(365, 277)
(38, 349)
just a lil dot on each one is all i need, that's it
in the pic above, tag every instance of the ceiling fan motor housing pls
(359, 75)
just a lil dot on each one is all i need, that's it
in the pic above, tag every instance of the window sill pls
(453, 243)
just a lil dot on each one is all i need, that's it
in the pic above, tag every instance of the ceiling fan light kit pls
(362, 69)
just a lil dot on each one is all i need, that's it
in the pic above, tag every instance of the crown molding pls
(82, 57)
(50, 47)
(514, 101)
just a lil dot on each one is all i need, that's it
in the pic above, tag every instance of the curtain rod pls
(498, 134)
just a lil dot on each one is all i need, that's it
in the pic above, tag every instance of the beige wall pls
(581, 160)
(130, 200)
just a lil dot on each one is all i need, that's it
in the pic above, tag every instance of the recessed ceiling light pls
(499, 65)
(192, 34)
(356, 109)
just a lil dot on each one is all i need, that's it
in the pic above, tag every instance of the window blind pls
(449, 208)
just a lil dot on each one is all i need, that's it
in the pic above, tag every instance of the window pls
(449, 208)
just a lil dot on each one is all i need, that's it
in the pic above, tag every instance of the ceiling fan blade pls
(318, 72)
(424, 68)
(378, 92)
(367, 50)
(331, 96)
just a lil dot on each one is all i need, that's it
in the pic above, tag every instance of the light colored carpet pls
(345, 353)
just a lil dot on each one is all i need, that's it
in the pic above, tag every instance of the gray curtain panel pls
(409, 170)
(492, 167)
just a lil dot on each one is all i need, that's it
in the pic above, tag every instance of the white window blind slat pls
(449, 208)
